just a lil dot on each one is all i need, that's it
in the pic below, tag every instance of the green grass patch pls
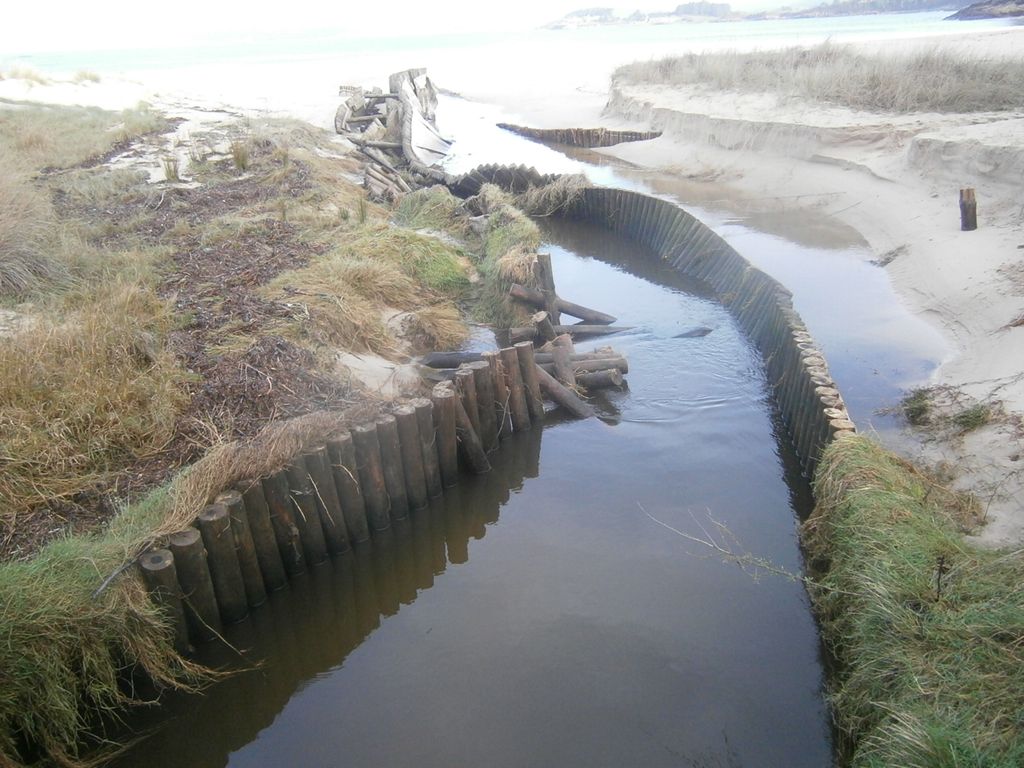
(972, 418)
(917, 406)
(927, 630)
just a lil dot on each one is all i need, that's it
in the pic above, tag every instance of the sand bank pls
(895, 179)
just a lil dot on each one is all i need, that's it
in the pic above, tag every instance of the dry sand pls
(895, 179)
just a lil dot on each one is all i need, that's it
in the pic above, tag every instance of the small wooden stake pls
(968, 210)
(161, 579)
(542, 322)
(563, 365)
(200, 604)
(215, 527)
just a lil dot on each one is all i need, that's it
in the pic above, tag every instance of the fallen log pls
(589, 366)
(606, 379)
(455, 359)
(536, 299)
(562, 395)
(528, 333)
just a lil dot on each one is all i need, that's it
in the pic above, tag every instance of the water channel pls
(554, 611)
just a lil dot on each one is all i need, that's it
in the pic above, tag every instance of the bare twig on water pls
(726, 545)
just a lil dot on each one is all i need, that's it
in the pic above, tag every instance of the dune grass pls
(927, 630)
(923, 81)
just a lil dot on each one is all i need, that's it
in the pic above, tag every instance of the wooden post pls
(428, 446)
(327, 502)
(560, 353)
(200, 604)
(161, 580)
(412, 456)
(307, 517)
(215, 527)
(443, 398)
(545, 330)
(536, 299)
(346, 479)
(502, 413)
(528, 371)
(245, 548)
(394, 473)
(282, 518)
(564, 397)
(469, 441)
(485, 403)
(371, 476)
(517, 396)
(465, 386)
(546, 279)
(968, 210)
(262, 531)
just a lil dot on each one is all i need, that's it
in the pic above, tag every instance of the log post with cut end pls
(307, 516)
(371, 476)
(485, 403)
(528, 371)
(282, 518)
(502, 413)
(546, 279)
(443, 398)
(245, 548)
(542, 322)
(161, 578)
(215, 527)
(262, 530)
(200, 604)
(428, 446)
(560, 356)
(465, 386)
(564, 397)
(968, 210)
(412, 456)
(517, 395)
(394, 473)
(607, 379)
(346, 480)
(469, 441)
(327, 502)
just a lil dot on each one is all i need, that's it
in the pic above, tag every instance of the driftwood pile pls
(395, 131)
(507, 388)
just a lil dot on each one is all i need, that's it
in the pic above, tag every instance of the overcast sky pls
(32, 25)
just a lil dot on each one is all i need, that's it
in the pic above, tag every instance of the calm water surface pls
(538, 615)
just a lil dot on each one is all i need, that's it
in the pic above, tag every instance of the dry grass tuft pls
(26, 237)
(82, 394)
(552, 198)
(924, 81)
